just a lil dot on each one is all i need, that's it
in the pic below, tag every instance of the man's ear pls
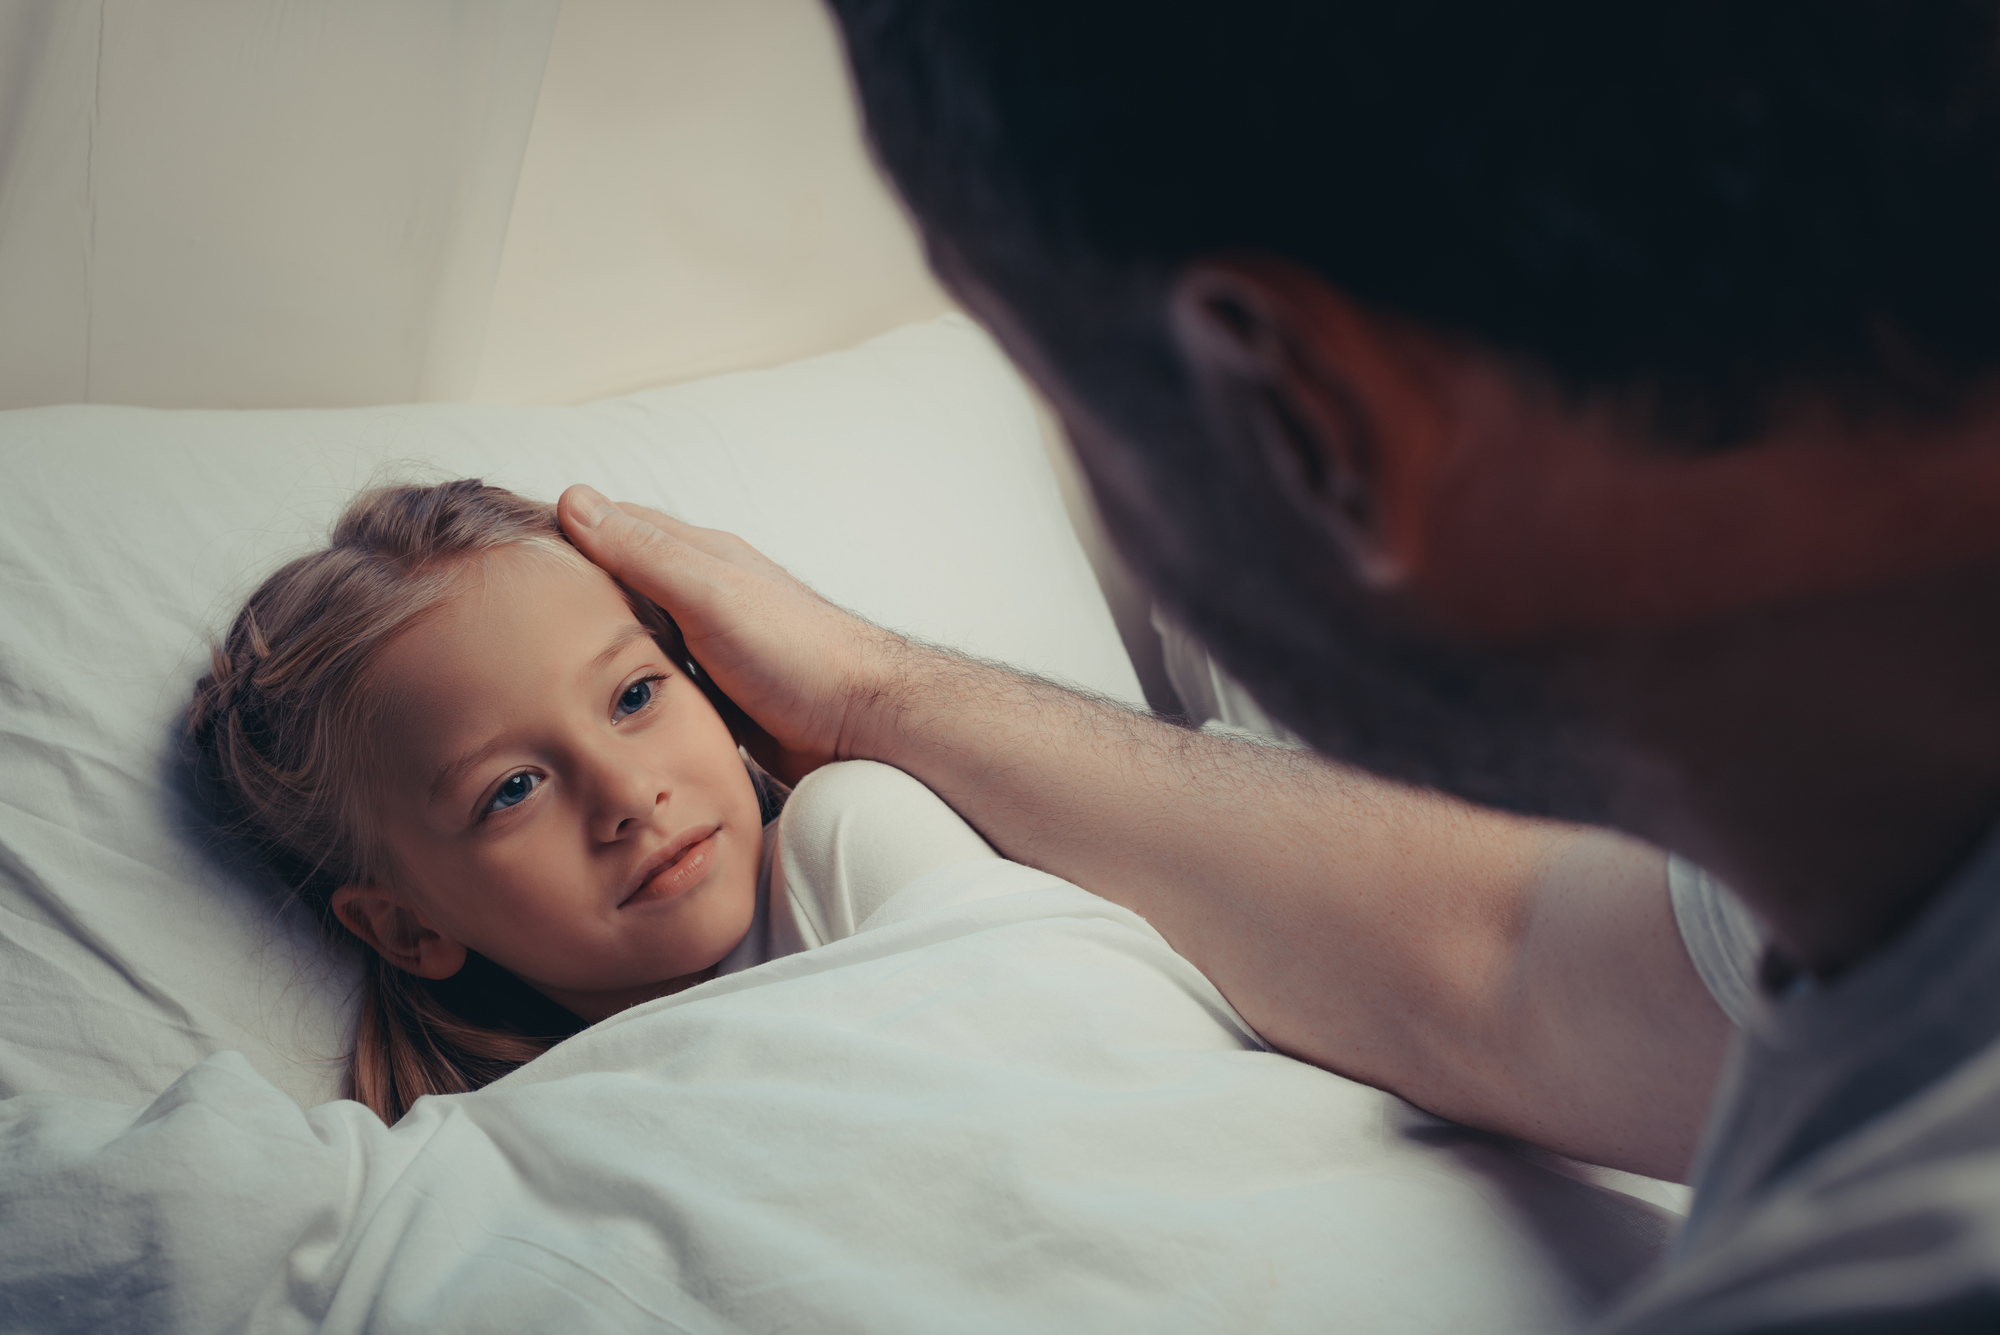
(1323, 397)
(396, 933)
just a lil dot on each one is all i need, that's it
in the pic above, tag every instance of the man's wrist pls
(889, 678)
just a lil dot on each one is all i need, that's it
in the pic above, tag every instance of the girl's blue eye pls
(636, 697)
(514, 791)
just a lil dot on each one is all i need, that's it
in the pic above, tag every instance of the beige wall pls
(241, 203)
(695, 197)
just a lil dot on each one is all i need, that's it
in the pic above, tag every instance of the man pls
(1585, 411)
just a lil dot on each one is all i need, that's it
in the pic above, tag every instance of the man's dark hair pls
(1701, 202)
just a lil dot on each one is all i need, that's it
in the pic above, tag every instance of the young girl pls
(463, 745)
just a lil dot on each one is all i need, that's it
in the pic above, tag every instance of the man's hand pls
(801, 668)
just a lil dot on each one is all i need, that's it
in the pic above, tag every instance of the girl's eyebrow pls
(452, 770)
(627, 633)
(449, 775)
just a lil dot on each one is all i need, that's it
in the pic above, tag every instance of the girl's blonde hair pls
(283, 731)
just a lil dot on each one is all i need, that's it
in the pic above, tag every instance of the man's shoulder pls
(1894, 1228)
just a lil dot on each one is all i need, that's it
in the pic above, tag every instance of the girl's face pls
(560, 797)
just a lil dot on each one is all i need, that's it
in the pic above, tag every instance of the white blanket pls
(1004, 1105)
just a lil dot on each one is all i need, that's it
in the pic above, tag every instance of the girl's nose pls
(627, 798)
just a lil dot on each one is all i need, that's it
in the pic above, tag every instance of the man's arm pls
(1514, 975)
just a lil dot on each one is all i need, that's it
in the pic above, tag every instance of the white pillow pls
(905, 479)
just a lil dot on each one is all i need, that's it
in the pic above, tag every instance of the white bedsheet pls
(1004, 1105)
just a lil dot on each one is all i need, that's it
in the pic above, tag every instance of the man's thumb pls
(583, 507)
(603, 533)
(631, 550)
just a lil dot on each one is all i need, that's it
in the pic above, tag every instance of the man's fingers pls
(581, 507)
(716, 542)
(585, 510)
(659, 519)
(642, 553)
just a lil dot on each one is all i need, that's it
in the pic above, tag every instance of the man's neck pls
(1833, 760)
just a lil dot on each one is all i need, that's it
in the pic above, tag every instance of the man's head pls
(1419, 352)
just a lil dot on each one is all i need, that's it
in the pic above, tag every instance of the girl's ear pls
(396, 933)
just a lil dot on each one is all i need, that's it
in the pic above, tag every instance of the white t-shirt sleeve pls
(1722, 939)
(851, 836)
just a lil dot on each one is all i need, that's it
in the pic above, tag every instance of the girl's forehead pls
(529, 570)
(523, 581)
(513, 611)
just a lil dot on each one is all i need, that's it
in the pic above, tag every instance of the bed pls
(1005, 1105)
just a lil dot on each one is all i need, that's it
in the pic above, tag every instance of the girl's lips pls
(681, 866)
